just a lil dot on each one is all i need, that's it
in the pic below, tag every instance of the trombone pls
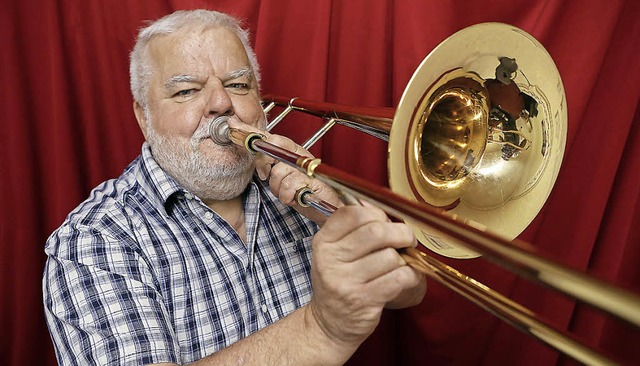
(495, 119)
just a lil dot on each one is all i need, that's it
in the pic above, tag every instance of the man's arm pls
(294, 340)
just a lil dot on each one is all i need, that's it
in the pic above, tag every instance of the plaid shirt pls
(143, 272)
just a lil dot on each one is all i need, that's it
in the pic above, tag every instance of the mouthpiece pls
(219, 130)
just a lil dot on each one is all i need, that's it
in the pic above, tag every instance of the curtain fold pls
(68, 125)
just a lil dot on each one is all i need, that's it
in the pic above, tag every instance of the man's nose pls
(219, 102)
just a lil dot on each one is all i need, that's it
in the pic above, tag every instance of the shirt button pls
(264, 308)
(208, 215)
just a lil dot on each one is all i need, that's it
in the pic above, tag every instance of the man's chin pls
(221, 188)
(228, 155)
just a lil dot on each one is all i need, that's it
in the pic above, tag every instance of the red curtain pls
(68, 125)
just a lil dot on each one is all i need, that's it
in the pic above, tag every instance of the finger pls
(372, 237)
(355, 231)
(346, 220)
(285, 181)
(375, 264)
(265, 163)
(391, 284)
(288, 144)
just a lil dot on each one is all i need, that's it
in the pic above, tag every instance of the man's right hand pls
(357, 270)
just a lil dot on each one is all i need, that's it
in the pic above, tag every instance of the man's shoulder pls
(108, 198)
(105, 213)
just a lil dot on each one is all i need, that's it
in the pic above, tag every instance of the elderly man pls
(189, 257)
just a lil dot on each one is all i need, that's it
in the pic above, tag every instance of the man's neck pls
(232, 211)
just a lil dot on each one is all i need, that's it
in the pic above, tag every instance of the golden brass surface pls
(502, 186)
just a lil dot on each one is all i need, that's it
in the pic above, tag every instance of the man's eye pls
(238, 87)
(184, 93)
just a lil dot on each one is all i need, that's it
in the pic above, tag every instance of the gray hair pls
(139, 68)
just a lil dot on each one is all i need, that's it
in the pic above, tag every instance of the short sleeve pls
(101, 303)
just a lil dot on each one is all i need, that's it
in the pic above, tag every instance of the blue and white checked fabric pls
(143, 272)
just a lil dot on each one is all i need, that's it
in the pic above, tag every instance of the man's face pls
(198, 75)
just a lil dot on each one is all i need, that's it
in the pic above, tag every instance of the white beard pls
(220, 174)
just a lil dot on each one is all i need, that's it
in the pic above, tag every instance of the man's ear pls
(140, 116)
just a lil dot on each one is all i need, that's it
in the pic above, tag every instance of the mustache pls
(202, 132)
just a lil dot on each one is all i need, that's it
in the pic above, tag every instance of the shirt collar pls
(155, 180)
